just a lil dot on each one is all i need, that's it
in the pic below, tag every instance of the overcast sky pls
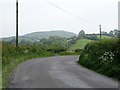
(67, 15)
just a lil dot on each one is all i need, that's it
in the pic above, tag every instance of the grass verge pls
(9, 68)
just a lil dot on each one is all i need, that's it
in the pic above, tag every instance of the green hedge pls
(28, 51)
(11, 58)
(102, 56)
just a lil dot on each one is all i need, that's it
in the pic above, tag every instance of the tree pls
(93, 37)
(118, 34)
(44, 41)
(111, 33)
(13, 41)
(73, 40)
(81, 34)
(104, 33)
(22, 42)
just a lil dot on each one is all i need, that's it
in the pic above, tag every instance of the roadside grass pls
(0, 81)
(9, 68)
(0, 73)
(80, 44)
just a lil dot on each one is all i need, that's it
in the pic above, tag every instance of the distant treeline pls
(38, 37)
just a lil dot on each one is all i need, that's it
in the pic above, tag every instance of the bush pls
(102, 56)
(78, 50)
(92, 37)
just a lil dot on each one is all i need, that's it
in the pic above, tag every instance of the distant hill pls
(36, 36)
(47, 34)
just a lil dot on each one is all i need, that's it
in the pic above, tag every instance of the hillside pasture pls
(80, 44)
(104, 37)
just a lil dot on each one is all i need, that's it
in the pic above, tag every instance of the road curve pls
(57, 72)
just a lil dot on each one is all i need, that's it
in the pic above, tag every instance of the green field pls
(80, 44)
(104, 37)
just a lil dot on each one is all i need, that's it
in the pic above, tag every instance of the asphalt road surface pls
(57, 72)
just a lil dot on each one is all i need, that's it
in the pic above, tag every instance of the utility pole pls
(100, 30)
(16, 24)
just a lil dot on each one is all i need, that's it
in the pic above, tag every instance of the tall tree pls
(81, 34)
(111, 33)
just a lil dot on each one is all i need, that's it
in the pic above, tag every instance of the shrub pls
(102, 56)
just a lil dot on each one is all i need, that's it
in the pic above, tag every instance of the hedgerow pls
(11, 58)
(102, 56)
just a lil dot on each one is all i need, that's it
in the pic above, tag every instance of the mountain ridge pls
(34, 36)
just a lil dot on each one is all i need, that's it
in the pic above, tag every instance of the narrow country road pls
(57, 72)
